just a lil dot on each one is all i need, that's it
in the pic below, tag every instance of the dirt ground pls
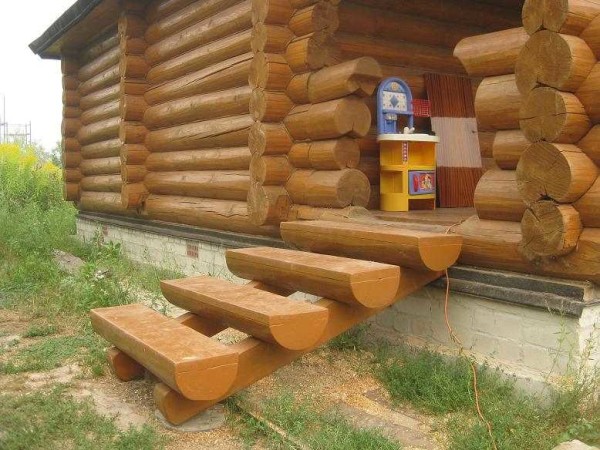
(336, 379)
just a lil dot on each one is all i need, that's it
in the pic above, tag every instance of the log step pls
(197, 367)
(366, 283)
(291, 324)
(421, 250)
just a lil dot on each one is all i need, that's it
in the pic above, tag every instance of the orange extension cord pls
(461, 347)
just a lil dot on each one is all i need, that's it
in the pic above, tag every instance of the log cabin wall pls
(409, 40)
(540, 213)
(99, 91)
(198, 113)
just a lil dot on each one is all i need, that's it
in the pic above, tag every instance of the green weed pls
(55, 420)
(307, 424)
(40, 331)
(441, 385)
(351, 340)
(57, 351)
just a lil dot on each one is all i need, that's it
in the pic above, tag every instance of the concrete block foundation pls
(539, 330)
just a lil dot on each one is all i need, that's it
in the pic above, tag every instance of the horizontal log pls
(326, 155)
(399, 53)
(392, 25)
(336, 118)
(100, 64)
(101, 112)
(70, 127)
(71, 112)
(71, 192)
(491, 54)
(497, 196)
(104, 149)
(318, 17)
(561, 16)
(134, 154)
(133, 66)
(132, 107)
(229, 102)
(106, 202)
(158, 10)
(214, 159)
(133, 173)
(332, 189)
(99, 131)
(359, 77)
(561, 172)
(132, 132)
(101, 46)
(419, 250)
(201, 57)
(549, 229)
(71, 160)
(103, 80)
(71, 98)
(133, 195)
(223, 23)
(72, 175)
(365, 283)
(102, 183)
(101, 166)
(268, 205)
(225, 185)
(556, 60)
(270, 38)
(258, 359)
(133, 46)
(554, 116)
(305, 212)
(590, 144)
(497, 103)
(270, 71)
(486, 143)
(270, 170)
(70, 83)
(71, 145)
(310, 52)
(198, 367)
(183, 17)
(588, 206)
(591, 36)
(100, 97)
(269, 139)
(588, 94)
(270, 317)
(269, 106)
(496, 244)
(508, 147)
(224, 215)
(222, 132)
(272, 11)
(228, 74)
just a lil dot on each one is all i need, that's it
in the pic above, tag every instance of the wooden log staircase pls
(379, 265)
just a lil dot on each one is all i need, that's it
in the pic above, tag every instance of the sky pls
(32, 86)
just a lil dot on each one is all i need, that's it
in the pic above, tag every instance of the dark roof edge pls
(64, 23)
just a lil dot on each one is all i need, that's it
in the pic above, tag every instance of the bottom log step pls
(196, 366)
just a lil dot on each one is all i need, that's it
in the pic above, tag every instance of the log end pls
(299, 331)
(438, 254)
(124, 367)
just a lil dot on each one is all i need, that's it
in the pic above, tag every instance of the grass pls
(443, 386)
(306, 423)
(351, 340)
(54, 420)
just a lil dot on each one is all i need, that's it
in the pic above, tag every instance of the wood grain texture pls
(294, 325)
(372, 285)
(194, 365)
(382, 243)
